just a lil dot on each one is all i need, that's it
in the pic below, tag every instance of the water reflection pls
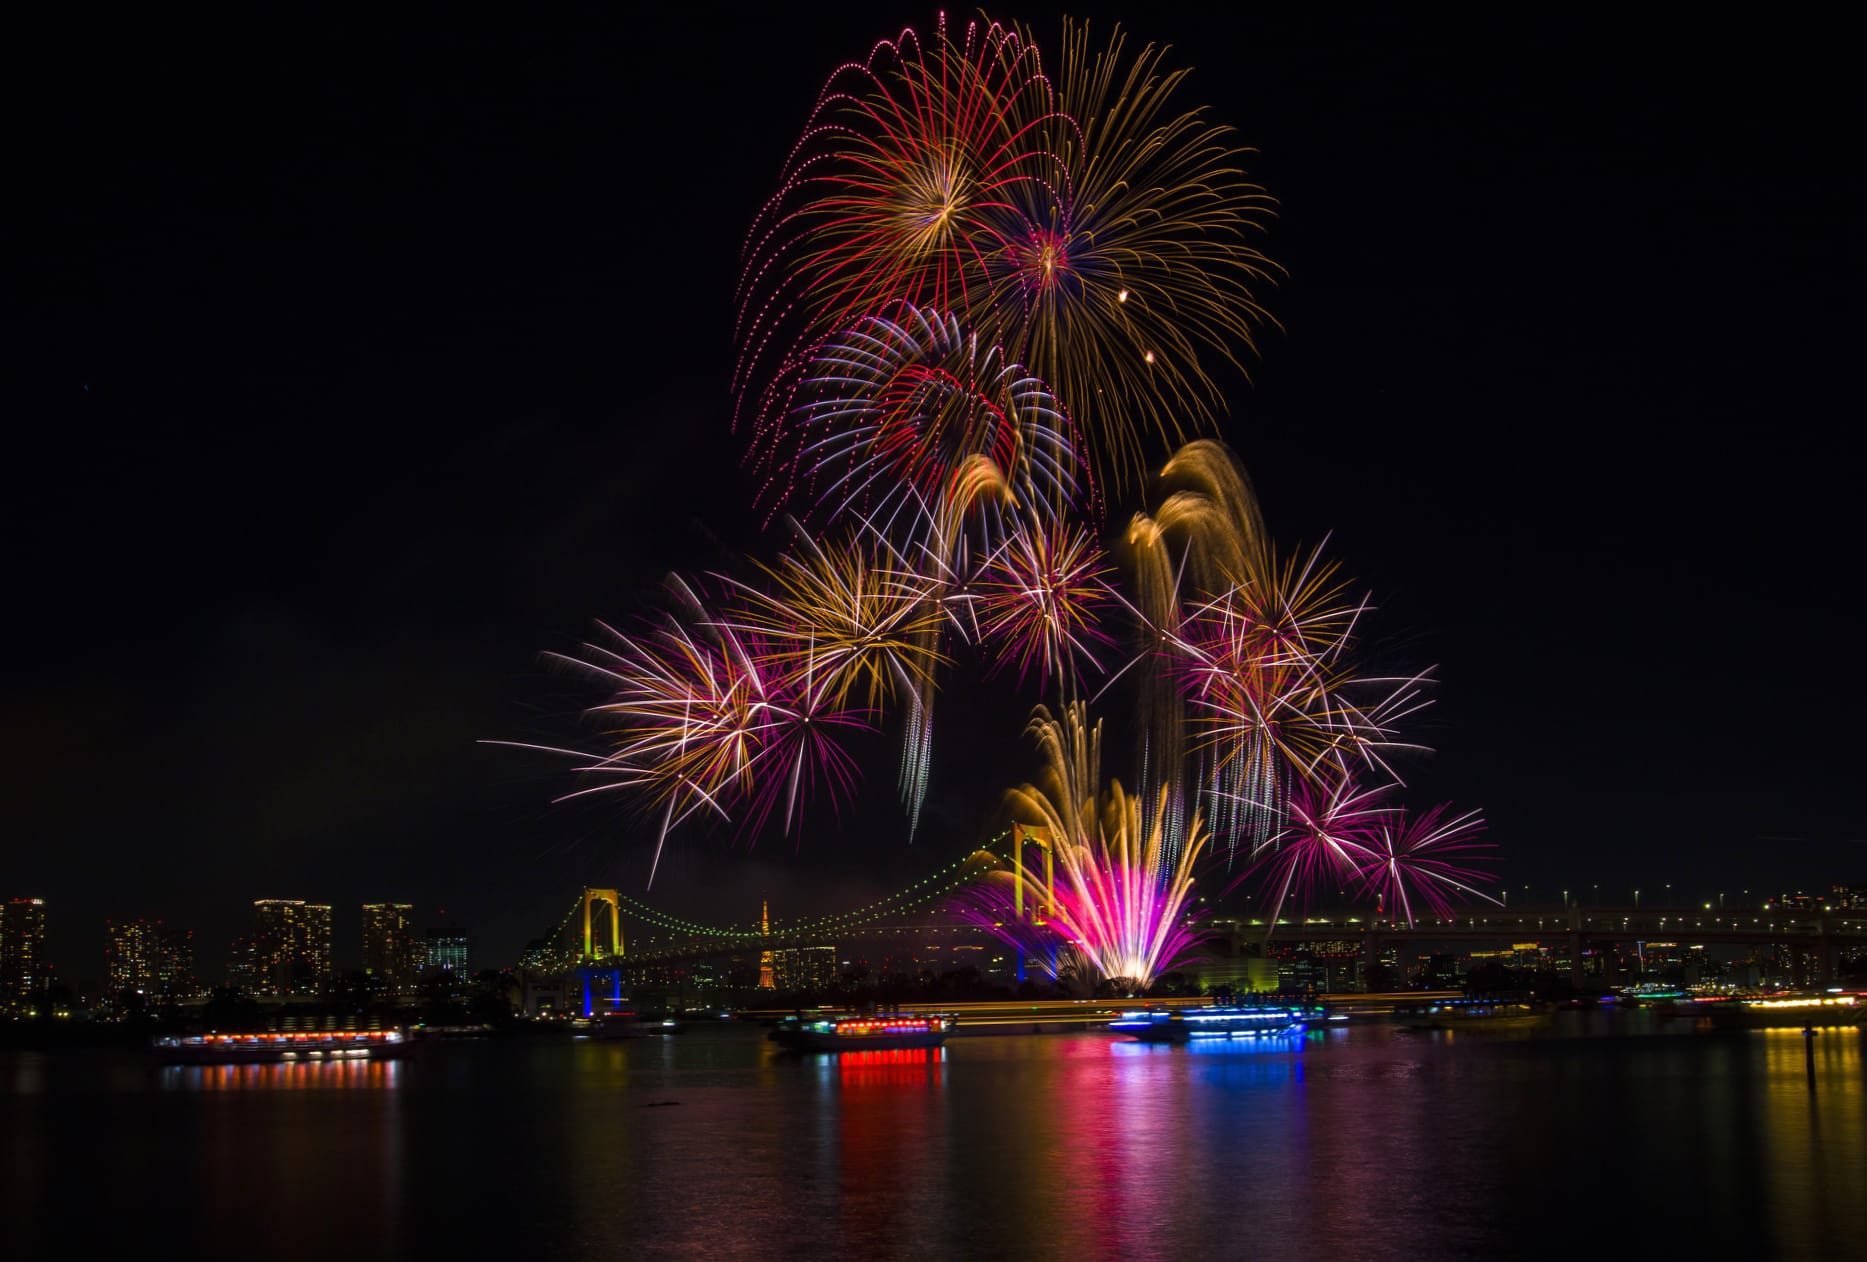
(917, 1068)
(302, 1076)
(1814, 1134)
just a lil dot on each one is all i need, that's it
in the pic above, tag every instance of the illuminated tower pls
(23, 968)
(766, 962)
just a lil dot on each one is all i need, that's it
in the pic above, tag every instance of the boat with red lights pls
(864, 1033)
(1159, 1025)
(280, 1046)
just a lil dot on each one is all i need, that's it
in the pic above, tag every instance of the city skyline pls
(1542, 501)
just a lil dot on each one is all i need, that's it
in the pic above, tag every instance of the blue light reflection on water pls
(1360, 1142)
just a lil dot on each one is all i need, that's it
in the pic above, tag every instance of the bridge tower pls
(592, 967)
(1024, 836)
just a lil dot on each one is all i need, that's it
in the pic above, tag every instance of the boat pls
(1159, 1025)
(851, 1034)
(274, 1047)
(1464, 1014)
(632, 1025)
(1789, 1012)
(1655, 995)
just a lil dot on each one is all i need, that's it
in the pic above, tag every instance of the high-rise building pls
(145, 957)
(24, 970)
(390, 952)
(291, 945)
(243, 965)
(447, 949)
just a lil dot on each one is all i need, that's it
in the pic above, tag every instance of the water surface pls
(1604, 1134)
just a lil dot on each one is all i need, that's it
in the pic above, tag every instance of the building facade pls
(146, 961)
(24, 970)
(447, 950)
(291, 946)
(392, 957)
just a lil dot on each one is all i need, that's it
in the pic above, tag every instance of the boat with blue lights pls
(1159, 1025)
(280, 1047)
(864, 1033)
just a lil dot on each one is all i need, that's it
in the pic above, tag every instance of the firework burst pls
(842, 609)
(916, 167)
(910, 424)
(1329, 837)
(1041, 596)
(1107, 892)
(1422, 863)
(704, 717)
(868, 625)
(1142, 273)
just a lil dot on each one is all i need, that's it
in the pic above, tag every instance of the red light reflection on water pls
(898, 1067)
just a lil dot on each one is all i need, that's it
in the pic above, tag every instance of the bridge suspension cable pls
(567, 936)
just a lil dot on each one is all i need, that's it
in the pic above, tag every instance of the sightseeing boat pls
(1789, 1012)
(1462, 1014)
(1158, 1025)
(274, 1047)
(851, 1034)
(632, 1025)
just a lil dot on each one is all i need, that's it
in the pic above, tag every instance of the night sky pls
(358, 364)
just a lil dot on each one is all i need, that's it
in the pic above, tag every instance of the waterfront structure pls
(148, 959)
(446, 949)
(24, 970)
(391, 956)
(291, 946)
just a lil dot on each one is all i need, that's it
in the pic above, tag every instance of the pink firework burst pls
(704, 717)
(1422, 863)
(1274, 699)
(1330, 835)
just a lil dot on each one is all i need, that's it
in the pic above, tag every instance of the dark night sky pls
(360, 363)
